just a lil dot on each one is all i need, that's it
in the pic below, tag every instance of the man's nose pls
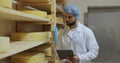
(66, 19)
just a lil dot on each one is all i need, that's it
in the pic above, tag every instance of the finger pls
(68, 61)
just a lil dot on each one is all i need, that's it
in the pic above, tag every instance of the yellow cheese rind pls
(48, 52)
(37, 13)
(4, 44)
(6, 3)
(43, 48)
(50, 17)
(46, 61)
(28, 57)
(33, 36)
(59, 19)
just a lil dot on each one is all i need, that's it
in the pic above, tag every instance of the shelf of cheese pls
(14, 15)
(20, 46)
(29, 57)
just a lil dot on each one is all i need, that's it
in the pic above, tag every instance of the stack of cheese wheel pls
(4, 44)
(45, 48)
(6, 3)
(32, 36)
(29, 57)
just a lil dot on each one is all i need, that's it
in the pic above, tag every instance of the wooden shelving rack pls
(50, 6)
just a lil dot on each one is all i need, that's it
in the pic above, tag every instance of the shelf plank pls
(14, 15)
(20, 46)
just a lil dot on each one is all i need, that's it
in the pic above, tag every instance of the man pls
(77, 37)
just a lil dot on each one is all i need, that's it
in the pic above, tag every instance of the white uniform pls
(81, 40)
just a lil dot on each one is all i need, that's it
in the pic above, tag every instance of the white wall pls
(84, 4)
(102, 3)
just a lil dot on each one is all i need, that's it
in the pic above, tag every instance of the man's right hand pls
(68, 61)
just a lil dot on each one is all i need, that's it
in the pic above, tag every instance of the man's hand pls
(68, 61)
(75, 59)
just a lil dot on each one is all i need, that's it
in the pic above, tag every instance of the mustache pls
(72, 23)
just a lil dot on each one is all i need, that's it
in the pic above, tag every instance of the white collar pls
(79, 28)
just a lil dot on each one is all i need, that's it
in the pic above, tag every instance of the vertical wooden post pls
(53, 12)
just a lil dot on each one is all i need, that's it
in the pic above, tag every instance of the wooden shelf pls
(13, 15)
(20, 46)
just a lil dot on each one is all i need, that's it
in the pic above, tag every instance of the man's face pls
(69, 19)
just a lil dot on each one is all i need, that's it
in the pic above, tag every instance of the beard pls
(72, 23)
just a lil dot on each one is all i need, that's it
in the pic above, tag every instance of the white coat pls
(81, 40)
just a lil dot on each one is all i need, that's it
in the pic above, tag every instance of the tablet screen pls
(64, 53)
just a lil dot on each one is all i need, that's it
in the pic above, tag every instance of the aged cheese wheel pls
(37, 13)
(28, 57)
(4, 44)
(33, 36)
(43, 48)
(6, 3)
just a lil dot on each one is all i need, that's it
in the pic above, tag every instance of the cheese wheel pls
(59, 19)
(43, 48)
(50, 17)
(4, 44)
(28, 57)
(6, 3)
(33, 36)
(48, 52)
(46, 61)
(37, 13)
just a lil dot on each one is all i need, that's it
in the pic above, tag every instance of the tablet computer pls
(64, 53)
